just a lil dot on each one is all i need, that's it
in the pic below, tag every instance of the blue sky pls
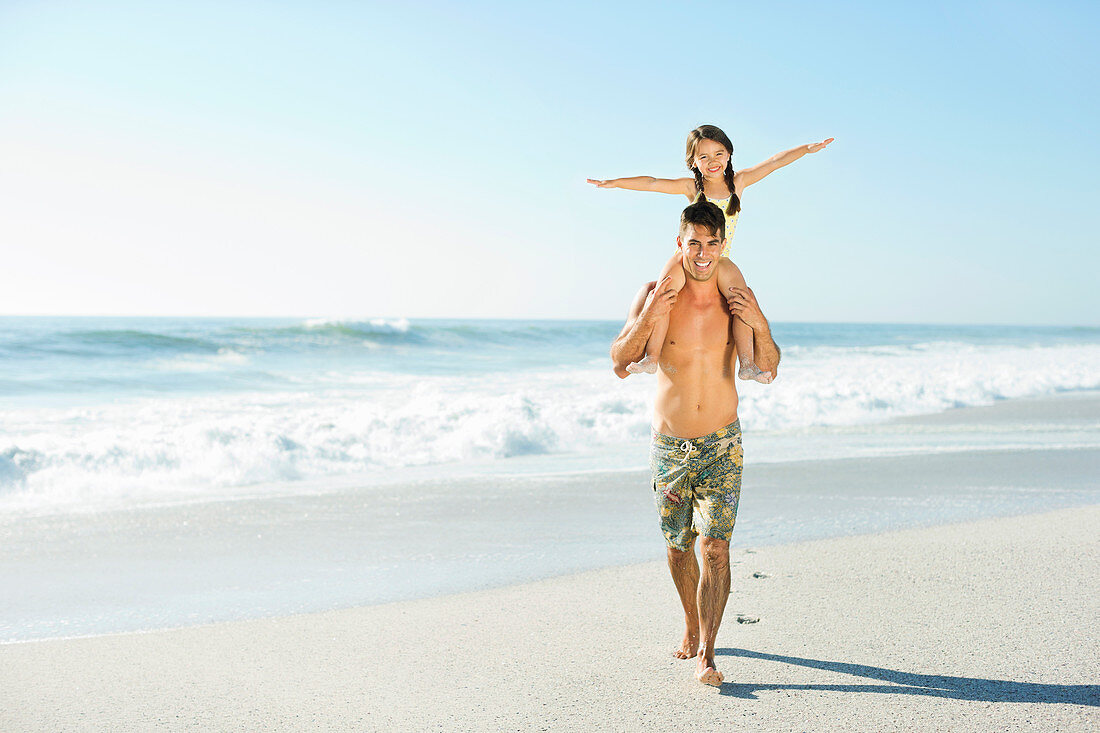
(428, 160)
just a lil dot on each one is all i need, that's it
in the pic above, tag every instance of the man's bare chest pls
(699, 325)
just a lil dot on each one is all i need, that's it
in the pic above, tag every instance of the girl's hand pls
(660, 300)
(601, 184)
(814, 147)
(742, 302)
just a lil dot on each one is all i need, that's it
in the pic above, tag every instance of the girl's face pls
(711, 158)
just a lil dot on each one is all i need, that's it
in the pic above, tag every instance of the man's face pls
(701, 249)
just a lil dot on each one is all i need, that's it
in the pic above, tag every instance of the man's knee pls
(716, 553)
(679, 557)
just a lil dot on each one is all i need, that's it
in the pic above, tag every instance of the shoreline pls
(977, 625)
(208, 563)
(195, 564)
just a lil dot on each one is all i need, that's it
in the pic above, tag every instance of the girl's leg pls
(742, 339)
(648, 364)
(652, 357)
(730, 276)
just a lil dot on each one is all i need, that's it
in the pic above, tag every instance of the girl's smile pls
(711, 158)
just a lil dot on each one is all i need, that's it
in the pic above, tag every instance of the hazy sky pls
(428, 159)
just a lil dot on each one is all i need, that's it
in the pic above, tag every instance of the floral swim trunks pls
(700, 474)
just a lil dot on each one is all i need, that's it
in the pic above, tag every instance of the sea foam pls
(150, 449)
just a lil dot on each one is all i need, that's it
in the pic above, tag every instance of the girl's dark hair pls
(710, 132)
(704, 213)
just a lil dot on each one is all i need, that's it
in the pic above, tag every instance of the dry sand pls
(983, 626)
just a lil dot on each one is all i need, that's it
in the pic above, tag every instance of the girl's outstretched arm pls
(749, 176)
(685, 186)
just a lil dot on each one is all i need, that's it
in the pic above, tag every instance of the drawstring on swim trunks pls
(688, 448)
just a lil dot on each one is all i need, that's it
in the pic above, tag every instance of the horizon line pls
(1043, 324)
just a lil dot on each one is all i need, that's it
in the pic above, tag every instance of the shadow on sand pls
(910, 683)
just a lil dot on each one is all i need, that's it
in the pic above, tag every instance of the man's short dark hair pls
(704, 213)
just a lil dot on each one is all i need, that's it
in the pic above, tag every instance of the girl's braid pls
(735, 201)
(699, 184)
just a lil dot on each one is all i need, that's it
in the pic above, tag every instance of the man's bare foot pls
(751, 371)
(706, 673)
(689, 647)
(647, 365)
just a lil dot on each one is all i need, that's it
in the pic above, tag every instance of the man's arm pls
(765, 350)
(652, 301)
(742, 302)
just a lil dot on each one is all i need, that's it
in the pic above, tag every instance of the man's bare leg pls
(714, 591)
(685, 574)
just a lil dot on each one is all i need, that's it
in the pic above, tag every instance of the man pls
(696, 452)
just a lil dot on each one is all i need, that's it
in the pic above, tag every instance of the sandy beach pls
(986, 625)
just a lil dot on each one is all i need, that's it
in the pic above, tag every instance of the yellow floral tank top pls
(731, 222)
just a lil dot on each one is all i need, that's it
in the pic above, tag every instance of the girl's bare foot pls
(751, 371)
(689, 647)
(707, 673)
(648, 365)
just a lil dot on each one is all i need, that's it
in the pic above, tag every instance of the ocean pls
(100, 413)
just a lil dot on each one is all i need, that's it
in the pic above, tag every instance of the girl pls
(709, 158)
